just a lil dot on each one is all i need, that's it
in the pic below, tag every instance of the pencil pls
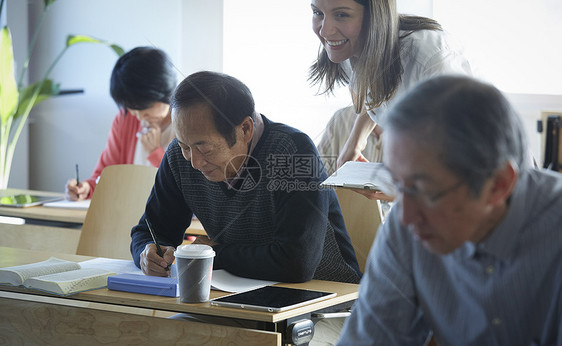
(158, 248)
(77, 176)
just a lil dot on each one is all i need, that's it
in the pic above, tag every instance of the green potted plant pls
(16, 100)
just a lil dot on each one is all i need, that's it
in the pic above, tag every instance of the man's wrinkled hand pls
(152, 264)
(372, 194)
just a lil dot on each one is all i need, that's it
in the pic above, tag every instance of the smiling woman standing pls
(380, 54)
(142, 82)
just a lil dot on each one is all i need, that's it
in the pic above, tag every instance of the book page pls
(18, 274)
(71, 281)
(118, 266)
(224, 281)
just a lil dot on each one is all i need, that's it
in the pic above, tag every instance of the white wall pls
(513, 44)
(73, 129)
(201, 41)
(416, 7)
(270, 46)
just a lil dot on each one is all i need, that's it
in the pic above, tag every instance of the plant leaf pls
(8, 86)
(27, 95)
(117, 49)
(48, 2)
(74, 39)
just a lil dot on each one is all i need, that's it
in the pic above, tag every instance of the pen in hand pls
(77, 177)
(158, 248)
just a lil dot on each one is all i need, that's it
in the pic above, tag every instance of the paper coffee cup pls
(195, 267)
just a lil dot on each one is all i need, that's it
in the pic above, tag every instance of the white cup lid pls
(194, 251)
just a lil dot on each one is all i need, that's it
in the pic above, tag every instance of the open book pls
(361, 175)
(56, 276)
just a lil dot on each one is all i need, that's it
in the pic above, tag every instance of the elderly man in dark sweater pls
(252, 183)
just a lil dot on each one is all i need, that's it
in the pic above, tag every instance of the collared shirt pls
(423, 54)
(505, 290)
(258, 131)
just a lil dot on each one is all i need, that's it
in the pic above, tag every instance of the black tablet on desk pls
(272, 298)
(26, 200)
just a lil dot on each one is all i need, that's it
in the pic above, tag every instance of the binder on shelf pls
(552, 145)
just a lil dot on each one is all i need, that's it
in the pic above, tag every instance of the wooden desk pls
(50, 229)
(109, 316)
(196, 228)
(73, 217)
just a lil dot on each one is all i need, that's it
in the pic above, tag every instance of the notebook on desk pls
(154, 285)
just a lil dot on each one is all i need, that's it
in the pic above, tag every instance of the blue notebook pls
(155, 285)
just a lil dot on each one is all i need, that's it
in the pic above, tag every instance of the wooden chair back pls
(362, 218)
(117, 204)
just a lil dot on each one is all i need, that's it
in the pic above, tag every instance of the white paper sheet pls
(85, 204)
(224, 281)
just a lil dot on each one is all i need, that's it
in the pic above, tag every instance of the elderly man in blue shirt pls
(472, 251)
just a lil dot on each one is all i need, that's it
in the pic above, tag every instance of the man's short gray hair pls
(469, 123)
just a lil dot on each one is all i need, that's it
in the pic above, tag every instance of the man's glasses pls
(426, 198)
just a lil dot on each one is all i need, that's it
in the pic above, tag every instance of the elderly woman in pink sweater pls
(141, 84)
